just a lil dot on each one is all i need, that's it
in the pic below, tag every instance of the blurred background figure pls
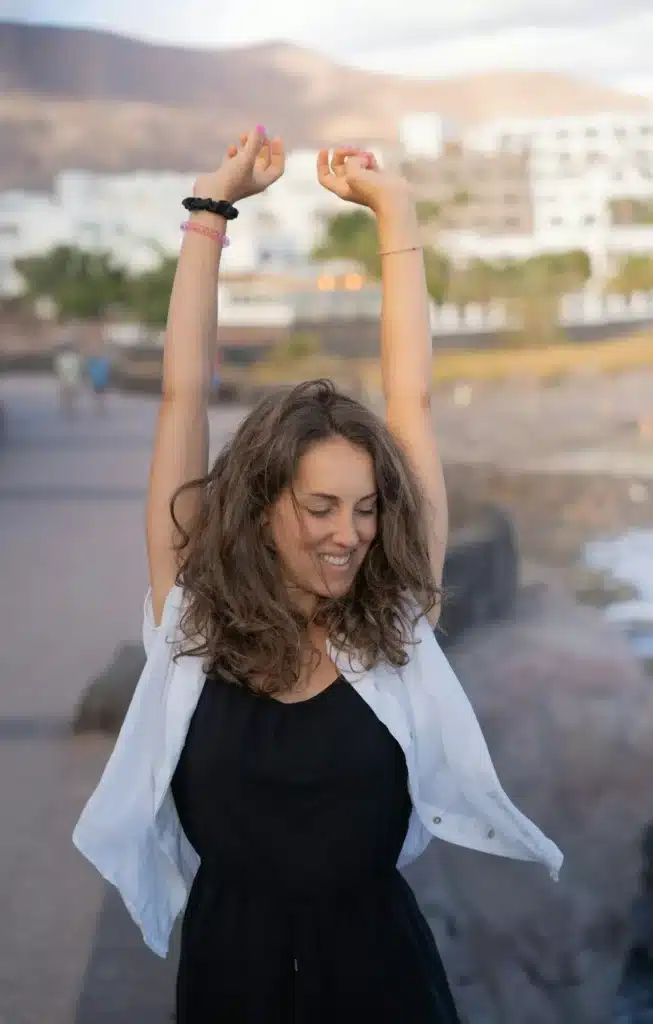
(98, 366)
(68, 371)
(216, 377)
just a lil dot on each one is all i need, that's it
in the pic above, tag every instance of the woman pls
(297, 733)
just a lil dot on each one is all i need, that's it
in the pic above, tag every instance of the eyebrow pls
(334, 497)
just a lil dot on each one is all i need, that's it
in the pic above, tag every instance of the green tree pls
(353, 236)
(635, 274)
(82, 285)
(148, 295)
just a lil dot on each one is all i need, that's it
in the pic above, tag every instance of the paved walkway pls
(73, 575)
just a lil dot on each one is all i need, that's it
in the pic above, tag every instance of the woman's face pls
(323, 528)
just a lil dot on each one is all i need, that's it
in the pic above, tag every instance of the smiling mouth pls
(338, 560)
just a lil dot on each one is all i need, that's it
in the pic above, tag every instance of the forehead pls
(335, 466)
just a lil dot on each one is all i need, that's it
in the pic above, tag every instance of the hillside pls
(78, 98)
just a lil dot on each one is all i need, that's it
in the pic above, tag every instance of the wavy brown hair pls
(238, 615)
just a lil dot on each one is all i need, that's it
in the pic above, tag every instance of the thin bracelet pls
(202, 229)
(393, 252)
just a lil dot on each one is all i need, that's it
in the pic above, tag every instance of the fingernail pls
(260, 129)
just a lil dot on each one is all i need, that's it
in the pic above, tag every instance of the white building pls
(137, 217)
(425, 135)
(581, 166)
(570, 144)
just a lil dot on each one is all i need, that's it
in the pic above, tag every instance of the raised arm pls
(406, 349)
(181, 443)
(406, 362)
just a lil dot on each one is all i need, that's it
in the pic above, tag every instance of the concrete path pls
(73, 574)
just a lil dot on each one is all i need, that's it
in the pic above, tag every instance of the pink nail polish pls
(260, 129)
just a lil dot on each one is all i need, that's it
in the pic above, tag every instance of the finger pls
(340, 157)
(256, 139)
(277, 155)
(232, 151)
(323, 165)
(263, 158)
(356, 164)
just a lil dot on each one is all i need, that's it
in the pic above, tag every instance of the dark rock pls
(634, 1000)
(481, 573)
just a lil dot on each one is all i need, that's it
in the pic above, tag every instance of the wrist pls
(397, 207)
(209, 220)
(398, 226)
(208, 188)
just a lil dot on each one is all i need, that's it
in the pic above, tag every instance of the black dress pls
(298, 914)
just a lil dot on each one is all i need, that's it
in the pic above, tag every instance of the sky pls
(605, 40)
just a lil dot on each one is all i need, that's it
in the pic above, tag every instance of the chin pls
(338, 589)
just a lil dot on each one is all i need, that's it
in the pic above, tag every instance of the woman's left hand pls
(354, 175)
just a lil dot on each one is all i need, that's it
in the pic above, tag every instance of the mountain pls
(80, 98)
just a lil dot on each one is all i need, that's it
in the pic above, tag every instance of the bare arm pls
(406, 353)
(406, 363)
(181, 443)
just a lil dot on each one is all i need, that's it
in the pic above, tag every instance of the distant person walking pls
(98, 368)
(68, 370)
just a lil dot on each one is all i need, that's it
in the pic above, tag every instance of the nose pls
(345, 533)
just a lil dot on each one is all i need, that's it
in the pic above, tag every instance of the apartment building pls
(570, 145)
(488, 194)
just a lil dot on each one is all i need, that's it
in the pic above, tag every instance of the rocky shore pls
(557, 514)
(572, 460)
(568, 715)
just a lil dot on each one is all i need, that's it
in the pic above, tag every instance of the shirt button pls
(491, 833)
(437, 820)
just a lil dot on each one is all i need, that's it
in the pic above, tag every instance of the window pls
(555, 222)
(511, 199)
(512, 222)
(589, 219)
(591, 133)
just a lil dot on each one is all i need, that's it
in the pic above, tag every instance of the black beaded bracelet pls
(221, 208)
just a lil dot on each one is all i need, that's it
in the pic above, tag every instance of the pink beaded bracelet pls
(202, 229)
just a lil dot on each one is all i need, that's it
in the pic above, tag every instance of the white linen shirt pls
(130, 829)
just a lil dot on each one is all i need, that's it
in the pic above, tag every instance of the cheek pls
(295, 535)
(368, 530)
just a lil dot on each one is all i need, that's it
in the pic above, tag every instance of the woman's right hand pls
(354, 175)
(247, 169)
